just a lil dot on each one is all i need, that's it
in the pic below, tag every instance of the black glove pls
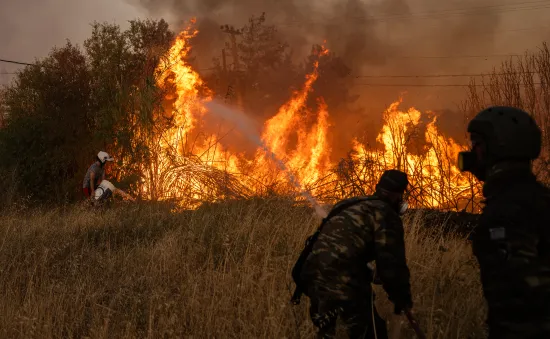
(401, 298)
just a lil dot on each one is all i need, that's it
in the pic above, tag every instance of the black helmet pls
(391, 187)
(509, 133)
(393, 181)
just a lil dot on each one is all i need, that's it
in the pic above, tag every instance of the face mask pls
(469, 162)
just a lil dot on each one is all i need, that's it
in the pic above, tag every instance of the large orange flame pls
(435, 179)
(179, 156)
(310, 155)
(433, 173)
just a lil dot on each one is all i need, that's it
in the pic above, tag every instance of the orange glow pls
(311, 153)
(195, 172)
(433, 173)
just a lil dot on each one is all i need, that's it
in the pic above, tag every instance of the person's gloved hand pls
(401, 299)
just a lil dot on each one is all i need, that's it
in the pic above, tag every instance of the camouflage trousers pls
(356, 318)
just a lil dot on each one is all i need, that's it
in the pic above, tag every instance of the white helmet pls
(104, 156)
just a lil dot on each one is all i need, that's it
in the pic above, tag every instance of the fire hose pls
(408, 313)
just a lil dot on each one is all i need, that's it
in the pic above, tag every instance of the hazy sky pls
(30, 28)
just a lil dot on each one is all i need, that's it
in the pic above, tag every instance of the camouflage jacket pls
(512, 246)
(337, 268)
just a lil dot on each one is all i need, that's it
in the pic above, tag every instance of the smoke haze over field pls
(377, 37)
(374, 37)
(373, 34)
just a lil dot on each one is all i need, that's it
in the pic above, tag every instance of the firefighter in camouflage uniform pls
(512, 239)
(336, 276)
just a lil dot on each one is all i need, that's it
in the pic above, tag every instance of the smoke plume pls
(376, 38)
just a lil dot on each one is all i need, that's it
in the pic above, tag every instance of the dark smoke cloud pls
(302, 23)
(371, 36)
(378, 37)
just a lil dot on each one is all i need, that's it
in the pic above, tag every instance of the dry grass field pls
(222, 271)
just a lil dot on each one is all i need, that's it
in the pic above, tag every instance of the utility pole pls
(224, 63)
(234, 50)
(225, 79)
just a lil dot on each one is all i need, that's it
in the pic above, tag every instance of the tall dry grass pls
(522, 82)
(222, 271)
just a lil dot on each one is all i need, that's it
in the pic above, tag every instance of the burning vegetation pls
(191, 166)
(120, 272)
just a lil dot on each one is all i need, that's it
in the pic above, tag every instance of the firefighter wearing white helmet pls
(95, 174)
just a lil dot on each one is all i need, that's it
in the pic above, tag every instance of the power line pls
(388, 76)
(16, 62)
(441, 75)
(431, 85)
(415, 85)
(27, 64)
(379, 76)
(448, 56)
(383, 56)
(206, 69)
(448, 11)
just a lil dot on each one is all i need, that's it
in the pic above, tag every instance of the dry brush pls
(220, 271)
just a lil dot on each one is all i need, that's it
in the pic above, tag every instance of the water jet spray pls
(245, 125)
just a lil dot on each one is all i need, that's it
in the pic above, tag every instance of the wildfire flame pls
(177, 158)
(433, 173)
(435, 179)
(311, 155)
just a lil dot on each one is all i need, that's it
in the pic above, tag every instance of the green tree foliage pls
(268, 72)
(49, 115)
(265, 74)
(520, 82)
(65, 108)
(126, 96)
